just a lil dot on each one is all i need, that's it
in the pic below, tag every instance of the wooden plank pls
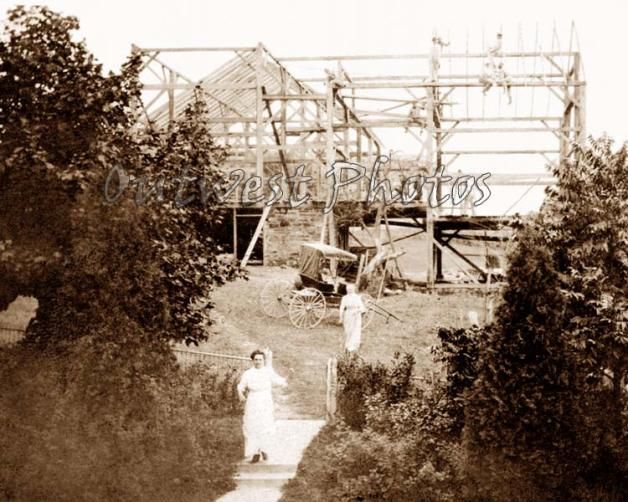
(330, 157)
(498, 152)
(391, 242)
(360, 268)
(172, 81)
(190, 87)
(462, 76)
(452, 249)
(195, 49)
(453, 55)
(259, 112)
(235, 233)
(282, 156)
(294, 97)
(258, 231)
(413, 84)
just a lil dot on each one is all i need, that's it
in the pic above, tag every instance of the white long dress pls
(351, 310)
(258, 424)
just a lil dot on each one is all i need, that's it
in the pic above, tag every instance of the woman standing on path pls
(256, 388)
(351, 310)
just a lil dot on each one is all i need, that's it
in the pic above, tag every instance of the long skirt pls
(353, 329)
(258, 424)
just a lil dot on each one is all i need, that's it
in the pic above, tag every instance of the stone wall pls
(286, 228)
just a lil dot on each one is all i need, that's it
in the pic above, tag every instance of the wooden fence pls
(10, 335)
(188, 357)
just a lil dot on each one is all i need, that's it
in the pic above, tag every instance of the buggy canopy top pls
(311, 254)
(330, 251)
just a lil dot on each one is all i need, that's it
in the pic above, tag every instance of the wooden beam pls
(461, 256)
(259, 111)
(454, 55)
(258, 231)
(295, 97)
(410, 84)
(196, 49)
(499, 152)
(189, 87)
(455, 253)
(462, 76)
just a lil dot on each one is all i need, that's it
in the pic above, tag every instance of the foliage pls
(549, 395)
(80, 428)
(358, 379)
(182, 165)
(349, 214)
(403, 450)
(459, 352)
(61, 121)
(66, 128)
(92, 405)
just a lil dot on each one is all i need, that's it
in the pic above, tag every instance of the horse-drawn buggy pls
(324, 272)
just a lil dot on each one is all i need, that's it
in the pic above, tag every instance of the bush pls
(459, 352)
(77, 427)
(357, 380)
(402, 449)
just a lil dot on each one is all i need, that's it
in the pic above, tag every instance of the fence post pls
(332, 387)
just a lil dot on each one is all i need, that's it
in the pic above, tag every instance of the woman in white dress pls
(351, 310)
(255, 387)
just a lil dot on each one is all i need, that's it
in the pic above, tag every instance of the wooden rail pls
(188, 357)
(10, 335)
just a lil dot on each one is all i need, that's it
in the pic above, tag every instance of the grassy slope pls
(301, 355)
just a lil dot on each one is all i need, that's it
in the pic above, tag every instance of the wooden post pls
(380, 290)
(429, 216)
(235, 233)
(369, 159)
(330, 157)
(171, 80)
(488, 314)
(331, 389)
(259, 113)
(360, 267)
(391, 243)
(323, 229)
(580, 95)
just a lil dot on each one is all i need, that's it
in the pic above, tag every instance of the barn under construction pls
(460, 113)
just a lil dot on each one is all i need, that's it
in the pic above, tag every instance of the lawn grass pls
(301, 355)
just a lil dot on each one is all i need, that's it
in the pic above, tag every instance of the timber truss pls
(275, 114)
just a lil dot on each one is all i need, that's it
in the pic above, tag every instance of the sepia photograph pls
(331, 251)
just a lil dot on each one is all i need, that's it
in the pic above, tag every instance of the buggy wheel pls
(275, 298)
(307, 308)
(369, 303)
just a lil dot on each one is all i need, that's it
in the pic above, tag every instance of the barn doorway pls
(238, 230)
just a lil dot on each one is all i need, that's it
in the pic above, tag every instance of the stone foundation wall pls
(285, 228)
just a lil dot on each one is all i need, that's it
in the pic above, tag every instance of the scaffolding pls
(277, 113)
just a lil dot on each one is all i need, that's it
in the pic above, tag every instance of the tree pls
(560, 332)
(588, 219)
(60, 123)
(65, 127)
(183, 162)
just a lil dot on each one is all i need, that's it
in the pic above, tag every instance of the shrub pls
(549, 398)
(76, 427)
(459, 352)
(358, 379)
(402, 449)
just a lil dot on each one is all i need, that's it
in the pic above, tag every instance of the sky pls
(327, 27)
